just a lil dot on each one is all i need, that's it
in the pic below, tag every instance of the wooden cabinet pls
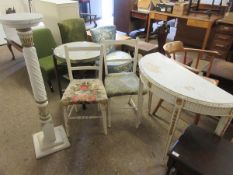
(223, 40)
(122, 15)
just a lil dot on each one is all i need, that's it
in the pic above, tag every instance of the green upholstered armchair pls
(44, 44)
(72, 30)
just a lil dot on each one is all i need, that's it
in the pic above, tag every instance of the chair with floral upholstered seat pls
(102, 33)
(121, 83)
(84, 91)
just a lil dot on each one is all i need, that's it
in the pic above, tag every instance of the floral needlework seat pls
(84, 91)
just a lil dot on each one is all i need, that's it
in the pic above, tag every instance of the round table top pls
(77, 55)
(21, 20)
(178, 81)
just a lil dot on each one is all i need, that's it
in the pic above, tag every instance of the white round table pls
(186, 90)
(77, 56)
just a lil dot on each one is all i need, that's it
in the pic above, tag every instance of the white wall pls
(96, 8)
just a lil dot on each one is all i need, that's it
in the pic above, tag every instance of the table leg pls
(207, 34)
(173, 123)
(223, 124)
(148, 29)
(140, 103)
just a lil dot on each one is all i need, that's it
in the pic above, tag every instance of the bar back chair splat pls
(121, 83)
(84, 91)
(102, 33)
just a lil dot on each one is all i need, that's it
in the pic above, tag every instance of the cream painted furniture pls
(121, 83)
(2, 36)
(50, 139)
(75, 57)
(186, 90)
(84, 91)
(54, 11)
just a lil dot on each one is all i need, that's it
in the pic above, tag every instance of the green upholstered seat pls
(72, 30)
(124, 83)
(44, 44)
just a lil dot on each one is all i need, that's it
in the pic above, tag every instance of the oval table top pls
(21, 20)
(178, 81)
(77, 55)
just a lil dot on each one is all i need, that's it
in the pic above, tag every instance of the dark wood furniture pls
(197, 21)
(198, 152)
(126, 16)
(222, 39)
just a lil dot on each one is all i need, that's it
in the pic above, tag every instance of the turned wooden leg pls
(9, 45)
(157, 106)
(197, 119)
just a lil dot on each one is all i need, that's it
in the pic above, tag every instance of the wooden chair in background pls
(176, 50)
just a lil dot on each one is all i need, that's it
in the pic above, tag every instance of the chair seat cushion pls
(125, 83)
(119, 66)
(84, 91)
(46, 63)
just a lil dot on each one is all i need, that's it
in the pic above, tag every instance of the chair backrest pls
(72, 30)
(102, 33)
(72, 68)
(162, 32)
(43, 42)
(172, 48)
(132, 43)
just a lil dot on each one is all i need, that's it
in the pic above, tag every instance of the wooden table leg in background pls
(148, 29)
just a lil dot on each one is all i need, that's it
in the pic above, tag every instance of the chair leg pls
(11, 50)
(103, 107)
(157, 107)
(150, 101)
(65, 115)
(197, 119)
(50, 85)
(109, 113)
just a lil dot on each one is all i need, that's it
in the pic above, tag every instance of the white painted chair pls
(122, 83)
(84, 91)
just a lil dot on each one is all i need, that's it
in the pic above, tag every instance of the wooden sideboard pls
(127, 20)
(222, 39)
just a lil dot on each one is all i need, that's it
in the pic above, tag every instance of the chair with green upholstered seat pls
(102, 33)
(44, 44)
(121, 83)
(72, 30)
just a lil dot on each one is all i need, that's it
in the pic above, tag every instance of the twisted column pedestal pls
(50, 139)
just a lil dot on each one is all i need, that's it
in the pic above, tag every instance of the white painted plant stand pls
(50, 139)
(186, 90)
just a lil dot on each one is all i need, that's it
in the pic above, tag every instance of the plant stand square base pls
(42, 149)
